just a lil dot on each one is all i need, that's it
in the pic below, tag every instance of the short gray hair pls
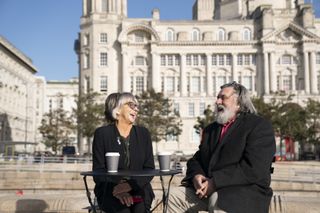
(123, 99)
(243, 98)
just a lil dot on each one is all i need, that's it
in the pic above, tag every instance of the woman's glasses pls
(132, 105)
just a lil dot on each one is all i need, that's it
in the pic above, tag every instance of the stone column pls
(156, 80)
(273, 76)
(234, 67)
(208, 76)
(84, 8)
(125, 74)
(314, 89)
(93, 6)
(183, 78)
(266, 73)
(306, 72)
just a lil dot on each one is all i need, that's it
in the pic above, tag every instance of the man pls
(231, 170)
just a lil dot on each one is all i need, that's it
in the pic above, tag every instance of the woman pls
(135, 148)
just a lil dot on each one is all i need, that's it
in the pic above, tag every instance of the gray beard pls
(224, 116)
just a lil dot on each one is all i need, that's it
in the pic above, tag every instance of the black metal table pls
(128, 173)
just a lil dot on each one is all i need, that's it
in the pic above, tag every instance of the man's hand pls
(204, 186)
(125, 198)
(209, 187)
(122, 187)
(199, 183)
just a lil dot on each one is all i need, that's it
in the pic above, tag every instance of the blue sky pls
(45, 30)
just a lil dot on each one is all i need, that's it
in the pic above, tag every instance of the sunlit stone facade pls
(267, 45)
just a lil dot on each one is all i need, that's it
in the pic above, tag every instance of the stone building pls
(266, 45)
(25, 98)
(62, 95)
(20, 100)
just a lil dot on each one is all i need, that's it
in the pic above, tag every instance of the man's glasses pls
(224, 97)
(132, 105)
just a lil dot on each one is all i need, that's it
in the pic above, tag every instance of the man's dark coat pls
(239, 164)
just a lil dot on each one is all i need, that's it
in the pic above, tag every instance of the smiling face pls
(227, 105)
(128, 112)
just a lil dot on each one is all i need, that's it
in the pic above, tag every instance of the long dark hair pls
(243, 99)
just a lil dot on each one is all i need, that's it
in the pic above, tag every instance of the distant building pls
(62, 94)
(267, 45)
(18, 110)
(25, 98)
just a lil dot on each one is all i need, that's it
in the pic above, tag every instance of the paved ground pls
(302, 196)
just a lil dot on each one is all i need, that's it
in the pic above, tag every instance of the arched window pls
(170, 35)
(246, 34)
(195, 35)
(221, 36)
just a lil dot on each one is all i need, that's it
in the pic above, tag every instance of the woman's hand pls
(125, 198)
(122, 187)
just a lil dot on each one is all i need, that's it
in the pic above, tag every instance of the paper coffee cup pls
(112, 159)
(164, 159)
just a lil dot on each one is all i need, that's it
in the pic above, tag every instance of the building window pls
(103, 59)
(103, 83)
(188, 58)
(170, 60)
(247, 59)
(139, 61)
(86, 61)
(171, 137)
(163, 60)
(246, 34)
(221, 59)
(318, 58)
(195, 60)
(170, 84)
(86, 39)
(286, 80)
(203, 60)
(221, 35)
(228, 59)
(170, 35)
(202, 107)
(139, 83)
(240, 60)
(254, 59)
(195, 84)
(214, 59)
(177, 60)
(195, 35)
(221, 80)
(247, 82)
(191, 109)
(139, 37)
(103, 37)
(131, 84)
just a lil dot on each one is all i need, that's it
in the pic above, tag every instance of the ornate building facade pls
(266, 45)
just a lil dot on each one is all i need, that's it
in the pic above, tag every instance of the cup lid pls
(112, 154)
(164, 153)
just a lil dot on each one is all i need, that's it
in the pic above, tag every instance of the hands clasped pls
(121, 191)
(204, 186)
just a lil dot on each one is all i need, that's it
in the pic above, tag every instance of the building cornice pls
(17, 53)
